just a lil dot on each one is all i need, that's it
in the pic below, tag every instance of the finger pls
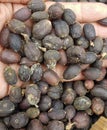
(86, 12)
(15, 1)
(100, 30)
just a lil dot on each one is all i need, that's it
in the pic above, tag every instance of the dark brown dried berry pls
(9, 57)
(24, 104)
(56, 114)
(17, 26)
(22, 14)
(4, 34)
(32, 112)
(55, 92)
(70, 112)
(45, 103)
(103, 22)
(67, 42)
(35, 124)
(52, 42)
(10, 75)
(15, 94)
(26, 61)
(69, 16)
(99, 92)
(92, 73)
(82, 103)
(37, 72)
(43, 86)
(68, 96)
(57, 104)
(41, 29)
(6, 121)
(24, 73)
(89, 84)
(97, 45)
(97, 106)
(79, 88)
(55, 11)
(98, 63)
(63, 57)
(43, 117)
(82, 41)
(19, 120)
(51, 57)
(82, 120)
(36, 5)
(89, 31)
(55, 125)
(39, 15)
(51, 77)
(61, 28)
(3, 126)
(6, 107)
(76, 30)
(71, 71)
(33, 94)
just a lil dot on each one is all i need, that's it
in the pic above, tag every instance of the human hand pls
(85, 12)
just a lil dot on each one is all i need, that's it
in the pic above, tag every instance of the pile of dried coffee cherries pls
(61, 66)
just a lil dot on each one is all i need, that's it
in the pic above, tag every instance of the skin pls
(85, 12)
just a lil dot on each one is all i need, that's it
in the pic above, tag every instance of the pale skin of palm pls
(85, 12)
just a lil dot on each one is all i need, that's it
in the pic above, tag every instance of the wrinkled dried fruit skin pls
(6, 107)
(82, 103)
(4, 35)
(35, 124)
(26, 61)
(55, 11)
(89, 31)
(97, 106)
(57, 104)
(22, 14)
(61, 28)
(17, 26)
(45, 103)
(15, 94)
(92, 73)
(24, 104)
(99, 92)
(3, 126)
(55, 91)
(41, 29)
(98, 45)
(24, 73)
(56, 114)
(10, 76)
(9, 57)
(52, 42)
(19, 120)
(71, 72)
(82, 120)
(39, 15)
(76, 30)
(32, 93)
(56, 125)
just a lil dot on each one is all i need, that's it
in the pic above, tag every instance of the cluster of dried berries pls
(46, 100)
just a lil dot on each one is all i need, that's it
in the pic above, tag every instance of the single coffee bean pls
(56, 125)
(17, 26)
(76, 30)
(6, 107)
(43, 117)
(10, 75)
(82, 103)
(61, 28)
(41, 29)
(19, 120)
(69, 16)
(32, 112)
(24, 104)
(89, 31)
(45, 103)
(97, 106)
(15, 94)
(9, 57)
(63, 57)
(22, 14)
(57, 104)
(71, 72)
(24, 73)
(25, 61)
(6, 121)
(55, 11)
